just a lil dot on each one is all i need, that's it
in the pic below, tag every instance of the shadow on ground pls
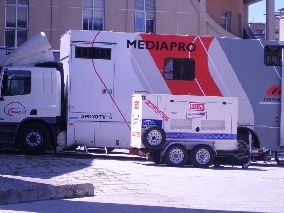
(51, 165)
(68, 206)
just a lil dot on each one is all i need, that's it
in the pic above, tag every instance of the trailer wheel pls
(246, 165)
(176, 155)
(154, 138)
(155, 157)
(33, 138)
(202, 156)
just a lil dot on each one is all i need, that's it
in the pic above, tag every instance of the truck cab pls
(30, 97)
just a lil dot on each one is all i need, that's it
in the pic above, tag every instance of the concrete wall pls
(2, 23)
(55, 17)
(214, 8)
(177, 17)
(119, 15)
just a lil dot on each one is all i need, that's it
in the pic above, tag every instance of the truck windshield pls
(16, 83)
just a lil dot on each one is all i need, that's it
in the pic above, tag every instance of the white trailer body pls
(91, 99)
(122, 63)
(175, 128)
(186, 118)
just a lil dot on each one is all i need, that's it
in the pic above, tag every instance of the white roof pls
(36, 49)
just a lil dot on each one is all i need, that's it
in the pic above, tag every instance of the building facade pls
(258, 30)
(21, 19)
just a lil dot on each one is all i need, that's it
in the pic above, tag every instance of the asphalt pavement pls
(118, 182)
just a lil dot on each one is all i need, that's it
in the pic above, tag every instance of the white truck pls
(175, 128)
(85, 99)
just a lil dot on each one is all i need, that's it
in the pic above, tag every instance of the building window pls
(93, 14)
(145, 12)
(16, 83)
(226, 20)
(16, 23)
(179, 69)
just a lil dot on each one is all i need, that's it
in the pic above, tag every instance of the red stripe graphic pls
(106, 86)
(207, 84)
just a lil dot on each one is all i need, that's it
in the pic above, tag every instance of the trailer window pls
(273, 55)
(16, 83)
(93, 53)
(179, 69)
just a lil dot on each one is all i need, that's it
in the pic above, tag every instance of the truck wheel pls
(243, 135)
(201, 156)
(176, 155)
(155, 157)
(154, 138)
(33, 138)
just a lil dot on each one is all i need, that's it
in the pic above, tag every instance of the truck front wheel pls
(33, 138)
(202, 156)
(176, 155)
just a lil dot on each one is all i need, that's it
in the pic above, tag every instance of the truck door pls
(15, 95)
(92, 78)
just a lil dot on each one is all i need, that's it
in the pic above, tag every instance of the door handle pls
(106, 91)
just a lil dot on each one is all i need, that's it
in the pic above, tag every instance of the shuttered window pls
(93, 53)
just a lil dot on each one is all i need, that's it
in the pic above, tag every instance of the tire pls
(176, 155)
(154, 138)
(202, 156)
(155, 157)
(243, 145)
(33, 139)
(246, 165)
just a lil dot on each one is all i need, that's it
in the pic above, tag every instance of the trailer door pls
(91, 78)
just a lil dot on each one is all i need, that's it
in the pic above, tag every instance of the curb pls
(40, 191)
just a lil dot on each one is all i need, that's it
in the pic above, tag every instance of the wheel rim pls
(203, 156)
(176, 156)
(154, 137)
(33, 138)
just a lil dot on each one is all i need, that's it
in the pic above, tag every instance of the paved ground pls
(128, 184)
